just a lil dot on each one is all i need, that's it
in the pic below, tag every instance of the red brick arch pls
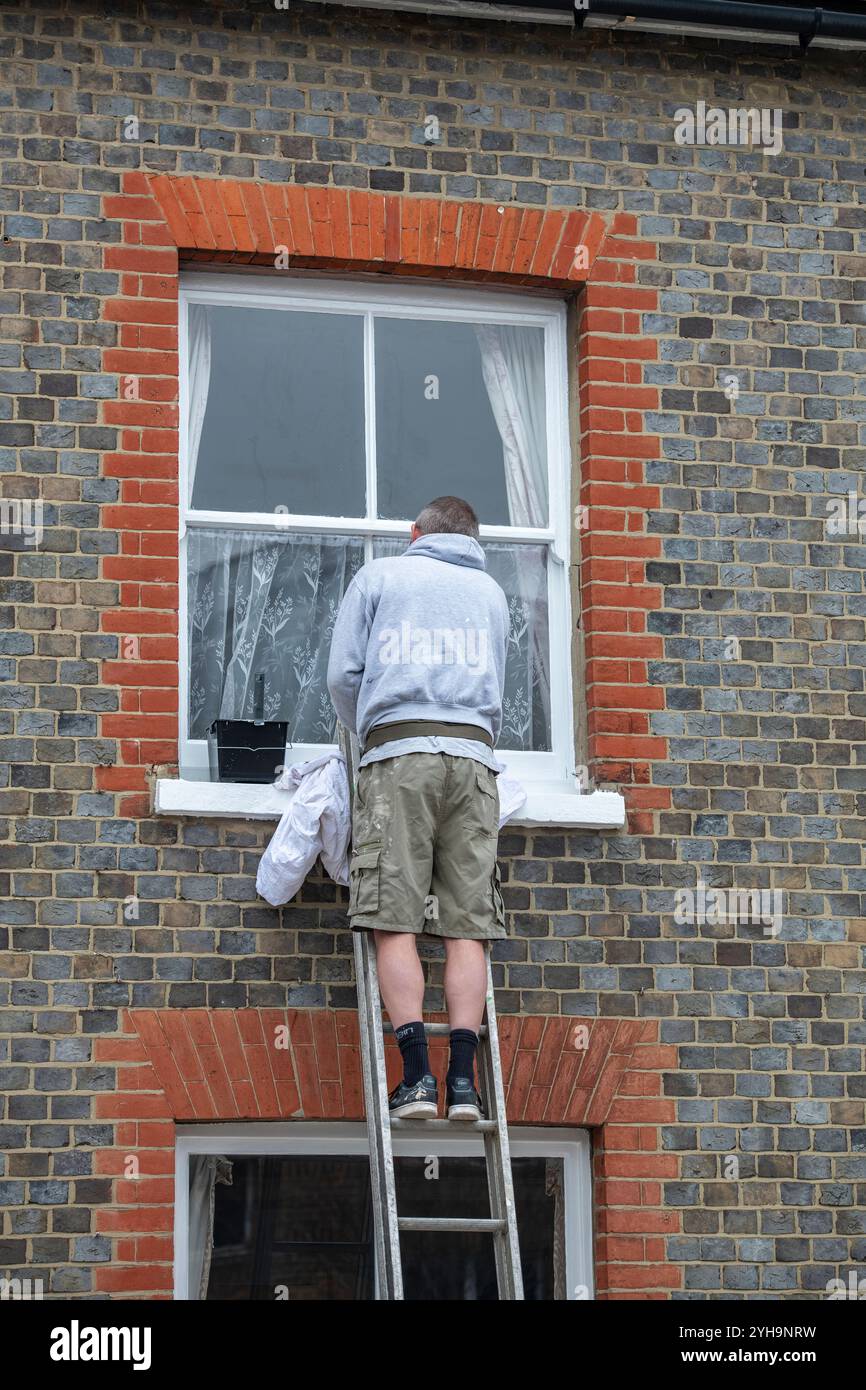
(166, 220)
(185, 1065)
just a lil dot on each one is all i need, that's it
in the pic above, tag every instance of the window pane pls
(460, 409)
(280, 412)
(304, 1225)
(521, 570)
(462, 1267)
(385, 546)
(291, 1227)
(265, 603)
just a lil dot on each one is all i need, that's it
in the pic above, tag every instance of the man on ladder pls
(416, 672)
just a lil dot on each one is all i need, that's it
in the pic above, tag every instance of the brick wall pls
(745, 770)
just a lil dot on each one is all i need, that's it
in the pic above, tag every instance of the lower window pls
(284, 1213)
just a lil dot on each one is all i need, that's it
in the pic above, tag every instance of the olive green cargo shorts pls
(424, 834)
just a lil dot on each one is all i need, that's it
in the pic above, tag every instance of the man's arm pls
(349, 653)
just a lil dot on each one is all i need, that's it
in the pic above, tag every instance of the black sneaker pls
(420, 1101)
(462, 1101)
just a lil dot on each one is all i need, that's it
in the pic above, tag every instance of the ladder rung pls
(438, 1030)
(472, 1224)
(451, 1126)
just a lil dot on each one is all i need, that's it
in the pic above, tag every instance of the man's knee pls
(394, 940)
(467, 948)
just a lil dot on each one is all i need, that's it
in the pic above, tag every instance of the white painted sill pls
(545, 805)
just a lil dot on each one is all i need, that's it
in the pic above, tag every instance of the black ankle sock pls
(412, 1041)
(462, 1060)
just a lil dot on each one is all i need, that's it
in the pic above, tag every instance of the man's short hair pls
(448, 514)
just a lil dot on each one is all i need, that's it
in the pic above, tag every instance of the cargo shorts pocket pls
(487, 801)
(364, 883)
(498, 904)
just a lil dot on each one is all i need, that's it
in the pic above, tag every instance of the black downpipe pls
(806, 22)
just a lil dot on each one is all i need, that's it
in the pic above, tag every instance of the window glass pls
(265, 603)
(462, 1267)
(521, 571)
(278, 421)
(301, 1228)
(460, 410)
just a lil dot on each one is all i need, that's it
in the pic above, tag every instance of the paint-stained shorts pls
(425, 832)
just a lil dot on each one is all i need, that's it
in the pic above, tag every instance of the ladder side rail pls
(382, 1176)
(495, 1188)
(376, 1173)
(383, 1187)
(498, 1153)
(391, 1230)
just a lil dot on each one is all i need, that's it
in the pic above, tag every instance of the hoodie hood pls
(452, 547)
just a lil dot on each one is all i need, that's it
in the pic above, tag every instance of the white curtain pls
(512, 364)
(205, 1171)
(198, 332)
(265, 603)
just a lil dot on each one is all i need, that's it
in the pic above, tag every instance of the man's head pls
(446, 514)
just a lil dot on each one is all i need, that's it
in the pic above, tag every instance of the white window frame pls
(309, 1138)
(553, 771)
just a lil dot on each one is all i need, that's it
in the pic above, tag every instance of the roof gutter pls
(805, 25)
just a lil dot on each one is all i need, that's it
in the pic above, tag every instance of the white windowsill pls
(544, 805)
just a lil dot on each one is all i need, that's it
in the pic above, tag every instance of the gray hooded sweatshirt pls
(421, 635)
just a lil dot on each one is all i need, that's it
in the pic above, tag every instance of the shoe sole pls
(464, 1113)
(415, 1110)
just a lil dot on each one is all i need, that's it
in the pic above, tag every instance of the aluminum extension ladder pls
(387, 1224)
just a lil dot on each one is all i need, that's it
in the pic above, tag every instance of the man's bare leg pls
(465, 990)
(401, 985)
(401, 976)
(465, 982)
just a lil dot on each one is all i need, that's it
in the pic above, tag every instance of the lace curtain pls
(265, 603)
(521, 570)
